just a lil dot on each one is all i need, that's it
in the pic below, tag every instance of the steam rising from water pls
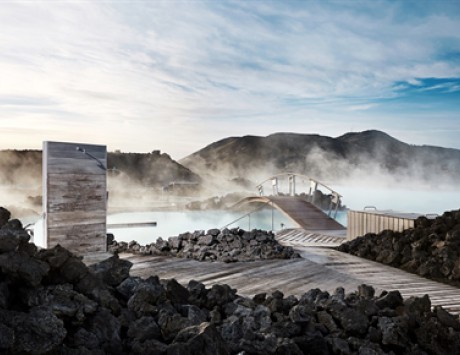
(372, 170)
(367, 178)
(20, 178)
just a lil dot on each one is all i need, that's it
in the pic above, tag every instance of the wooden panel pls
(75, 166)
(361, 223)
(79, 238)
(67, 192)
(409, 223)
(74, 232)
(75, 196)
(81, 247)
(61, 219)
(69, 150)
(400, 224)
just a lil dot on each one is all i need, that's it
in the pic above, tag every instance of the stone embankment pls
(228, 245)
(52, 303)
(431, 249)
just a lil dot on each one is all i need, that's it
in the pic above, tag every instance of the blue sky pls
(178, 75)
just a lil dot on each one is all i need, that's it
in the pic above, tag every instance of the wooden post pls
(75, 196)
(291, 179)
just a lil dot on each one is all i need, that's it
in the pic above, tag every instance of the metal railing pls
(265, 204)
(314, 184)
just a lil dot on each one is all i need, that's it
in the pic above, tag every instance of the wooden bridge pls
(300, 211)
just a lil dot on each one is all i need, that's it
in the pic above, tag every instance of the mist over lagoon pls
(423, 201)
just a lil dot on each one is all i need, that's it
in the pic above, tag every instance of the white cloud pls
(178, 75)
(364, 107)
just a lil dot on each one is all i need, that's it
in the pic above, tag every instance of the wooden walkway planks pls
(319, 267)
(303, 237)
(303, 213)
(294, 276)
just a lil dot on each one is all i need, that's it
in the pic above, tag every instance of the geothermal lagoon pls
(173, 223)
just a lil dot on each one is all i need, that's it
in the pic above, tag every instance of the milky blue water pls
(174, 223)
(423, 201)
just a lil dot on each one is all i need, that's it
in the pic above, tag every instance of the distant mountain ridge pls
(23, 167)
(244, 161)
(368, 153)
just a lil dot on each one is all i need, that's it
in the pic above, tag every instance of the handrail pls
(302, 175)
(282, 174)
(245, 215)
(335, 200)
(99, 163)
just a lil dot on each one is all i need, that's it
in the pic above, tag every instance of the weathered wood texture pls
(319, 267)
(305, 214)
(362, 222)
(300, 211)
(298, 237)
(75, 196)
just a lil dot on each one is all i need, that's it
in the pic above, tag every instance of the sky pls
(176, 76)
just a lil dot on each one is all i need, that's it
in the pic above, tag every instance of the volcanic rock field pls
(52, 303)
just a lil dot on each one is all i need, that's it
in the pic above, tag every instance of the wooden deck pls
(303, 213)
(295, 276)
(319, 267)
(298, 237)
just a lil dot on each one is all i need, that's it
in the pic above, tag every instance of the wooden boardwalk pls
(303, 213)
(319, 267)
(299, 237)
(294, 276)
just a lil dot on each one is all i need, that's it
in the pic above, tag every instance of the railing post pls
(273, 226)
(291, 179)
(261, 190)
(336, 200)
(275, 186)
(313, 187)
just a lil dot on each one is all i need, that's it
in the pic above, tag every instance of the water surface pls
(174, 223)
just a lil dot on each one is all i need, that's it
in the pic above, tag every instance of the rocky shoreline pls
(431, 249)
(52, 303)
(227, 245)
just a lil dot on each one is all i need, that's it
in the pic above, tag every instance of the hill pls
(131, 176)
(24, 167)
(151, 169)
(365, 155)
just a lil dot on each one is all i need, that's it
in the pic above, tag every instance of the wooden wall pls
(75, 196)
(361, 222)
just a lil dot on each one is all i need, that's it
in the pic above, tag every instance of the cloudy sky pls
(178, 75)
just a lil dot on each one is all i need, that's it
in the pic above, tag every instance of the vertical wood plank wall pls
(75, 196)
(362, 222)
